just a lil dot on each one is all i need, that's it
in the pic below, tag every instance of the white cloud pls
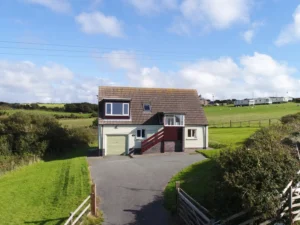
(249, 34)
(290, 33)
(257, 74)
(98, 23)
(218, 14)
(60, 6)
(122, 60)
(153, 6)
(180, 27)
(25, 81)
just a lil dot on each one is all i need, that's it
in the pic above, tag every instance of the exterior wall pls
(202, 137)
(129, 130)
(173, 133)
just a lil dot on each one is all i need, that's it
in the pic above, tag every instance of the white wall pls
(199, 141)
(128, 130)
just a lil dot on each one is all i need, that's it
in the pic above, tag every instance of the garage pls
(116, 145)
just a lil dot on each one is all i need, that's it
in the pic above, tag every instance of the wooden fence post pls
(291, 204)
(93, 200)
(230, 124)
(177, 186)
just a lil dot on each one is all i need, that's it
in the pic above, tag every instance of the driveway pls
(131, 189)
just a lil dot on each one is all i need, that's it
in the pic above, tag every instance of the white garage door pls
(116, 145)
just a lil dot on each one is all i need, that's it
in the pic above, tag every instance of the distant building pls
(245, 102)
(278, 100)
(203, 101)
(263, 101)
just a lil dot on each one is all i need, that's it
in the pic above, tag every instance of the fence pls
(192, 213)
(74, 218)
(247, 123)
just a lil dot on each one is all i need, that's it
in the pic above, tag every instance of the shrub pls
(290, 118)
(252, 180)
(95, 122)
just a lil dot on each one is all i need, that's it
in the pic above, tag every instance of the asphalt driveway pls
(131, 190)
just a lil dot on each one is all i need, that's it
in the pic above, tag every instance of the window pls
(174, 120)
(140, 133)
(192, 133)
(117, 109)
(147, 107)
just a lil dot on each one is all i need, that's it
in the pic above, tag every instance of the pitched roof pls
(162, 100)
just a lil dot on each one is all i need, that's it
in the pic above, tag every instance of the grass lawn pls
(52, 105)
(44, 193)
(44, 112)
(220, 114)
(84, 122)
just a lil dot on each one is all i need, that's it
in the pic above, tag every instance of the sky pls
(61, 50)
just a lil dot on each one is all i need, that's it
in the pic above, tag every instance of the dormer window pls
(147, 107)
(116, 109)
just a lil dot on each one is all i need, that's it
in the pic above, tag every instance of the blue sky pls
(62, 50)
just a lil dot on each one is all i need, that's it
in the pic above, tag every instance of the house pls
(203, 101)
(279, 100)
(263, 101)
(245, 102)
(150, 120)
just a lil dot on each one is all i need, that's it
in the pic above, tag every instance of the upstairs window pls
(174, 120)
(116, 109)
(147, 107)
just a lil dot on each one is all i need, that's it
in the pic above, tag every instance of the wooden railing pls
(73, 219)
(153, 140)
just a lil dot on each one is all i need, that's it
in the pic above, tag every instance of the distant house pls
(263, 101)
(203, 101)
(245, 102)
(278, 100)
(150, 120)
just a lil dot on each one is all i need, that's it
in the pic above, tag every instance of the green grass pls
(223, 114)
(52, 105)
(196, 180)
(44, 193)
(44, 112)
(77, 122)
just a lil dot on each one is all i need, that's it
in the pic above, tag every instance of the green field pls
(223, 114)
(84, 122)
(44, 112)
(44, 193)
(52, 105)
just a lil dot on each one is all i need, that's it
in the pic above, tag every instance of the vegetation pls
(45, 192)
(248, 176)
(223, 114)
(28, 136)
(84, 122)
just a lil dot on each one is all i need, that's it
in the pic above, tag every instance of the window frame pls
(141, 132)
(174, 120)
(192, 130)
(111, 108)
(150, 108)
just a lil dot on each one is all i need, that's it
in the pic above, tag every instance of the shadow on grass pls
(56, 221)
(152, 213)
(74, 153)
(198, 180)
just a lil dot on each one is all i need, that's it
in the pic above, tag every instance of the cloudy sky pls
(62, 50)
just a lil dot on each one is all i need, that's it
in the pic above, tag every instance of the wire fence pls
(246, 123)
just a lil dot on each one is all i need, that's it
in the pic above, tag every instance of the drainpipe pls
(204, 137)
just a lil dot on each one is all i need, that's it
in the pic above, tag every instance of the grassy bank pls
(82, 122)
(45, 192)
(220, 114)
(45, 112)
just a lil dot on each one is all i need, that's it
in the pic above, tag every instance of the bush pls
(290, 118)
(23, 134)
(252, 180)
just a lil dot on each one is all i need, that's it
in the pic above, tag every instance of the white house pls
(279, 99)
(148, 120)
(245, 102)
(263, 101)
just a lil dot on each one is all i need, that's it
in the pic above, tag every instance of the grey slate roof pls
(162, 100)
